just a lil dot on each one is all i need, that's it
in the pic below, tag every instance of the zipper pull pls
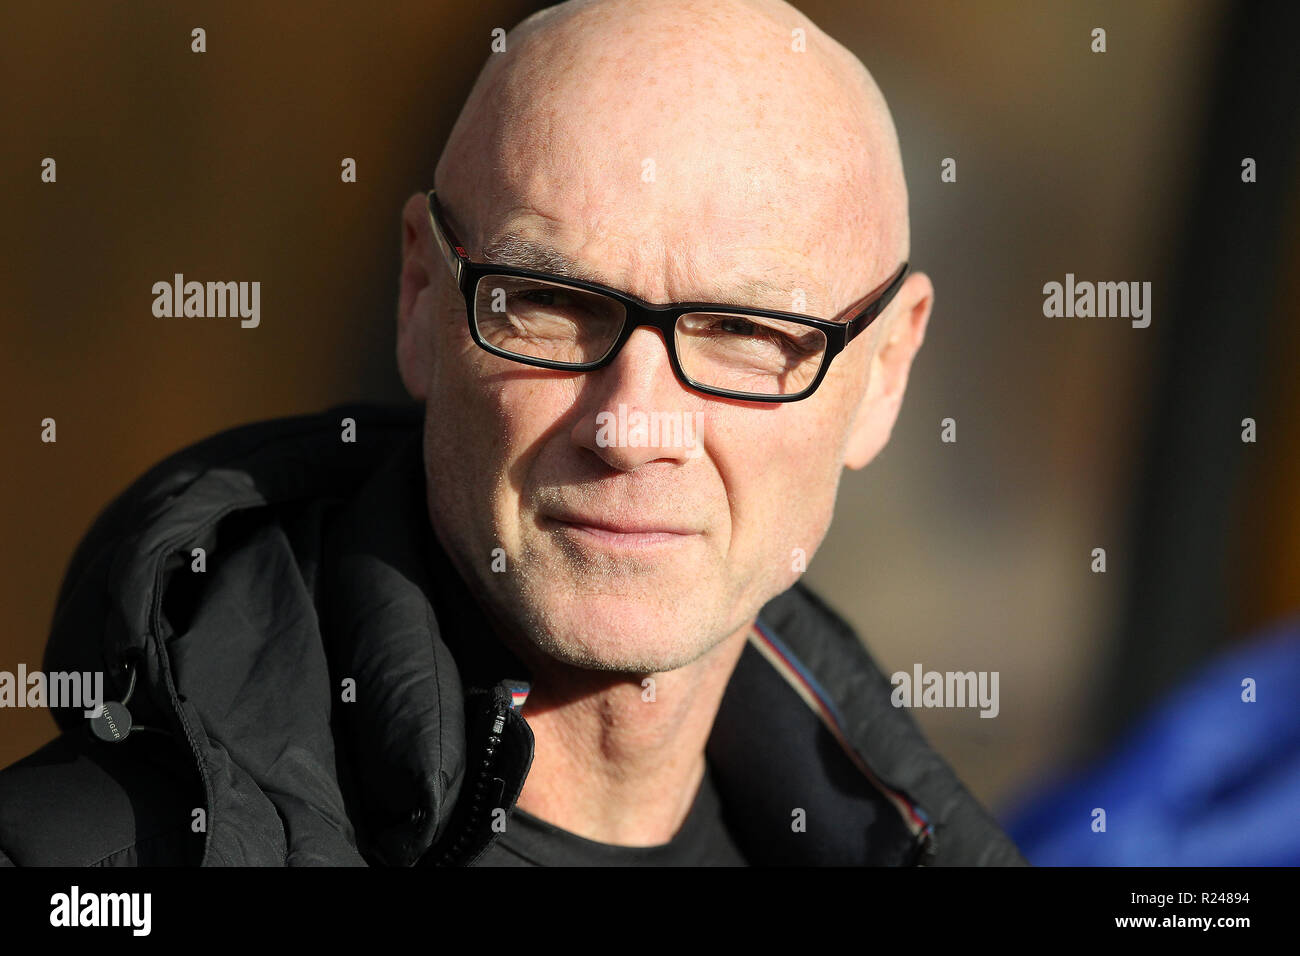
(112, 720)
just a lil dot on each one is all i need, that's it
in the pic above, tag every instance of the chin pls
(613, 633)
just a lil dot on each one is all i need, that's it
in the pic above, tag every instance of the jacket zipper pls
(483, 779)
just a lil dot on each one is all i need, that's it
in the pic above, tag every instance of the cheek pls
(781, 471)
(455, 412)
(486, 419)
(464, 441)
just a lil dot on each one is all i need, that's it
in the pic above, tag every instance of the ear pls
(891, 361)
(416, 297)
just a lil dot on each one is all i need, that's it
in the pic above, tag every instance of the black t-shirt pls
(703, 840)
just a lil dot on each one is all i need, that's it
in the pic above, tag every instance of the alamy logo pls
(637, 429)
(57, 689)
(214, 300)
(946, 689)
(1126, 300)
(75, 908)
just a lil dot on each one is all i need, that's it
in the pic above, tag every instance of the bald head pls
(693, 149)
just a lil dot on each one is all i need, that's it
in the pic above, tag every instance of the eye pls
(542, 299)
(792, 340)
(738, 325)
(538, 296)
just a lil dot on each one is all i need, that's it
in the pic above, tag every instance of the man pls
(556, 618)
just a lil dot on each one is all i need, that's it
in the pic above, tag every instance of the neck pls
(619, 759)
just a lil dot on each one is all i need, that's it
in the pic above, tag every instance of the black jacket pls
(325, 692)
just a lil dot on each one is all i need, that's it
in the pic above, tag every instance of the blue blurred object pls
(1206, 779)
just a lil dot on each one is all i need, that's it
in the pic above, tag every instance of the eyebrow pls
(514, 250)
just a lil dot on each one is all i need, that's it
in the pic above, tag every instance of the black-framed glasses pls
(548, 321)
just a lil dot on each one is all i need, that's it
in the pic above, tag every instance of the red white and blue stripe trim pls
(814, 695)
(518, 693)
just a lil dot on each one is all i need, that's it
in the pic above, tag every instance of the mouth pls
(619, 534)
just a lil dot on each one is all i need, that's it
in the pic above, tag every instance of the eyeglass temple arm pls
(881, 298)
(446, 238)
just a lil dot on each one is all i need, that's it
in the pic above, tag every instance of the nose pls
(636, 411)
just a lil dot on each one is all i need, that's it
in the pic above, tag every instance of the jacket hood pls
(320, 669)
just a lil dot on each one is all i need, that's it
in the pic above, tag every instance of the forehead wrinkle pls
(511, 249)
